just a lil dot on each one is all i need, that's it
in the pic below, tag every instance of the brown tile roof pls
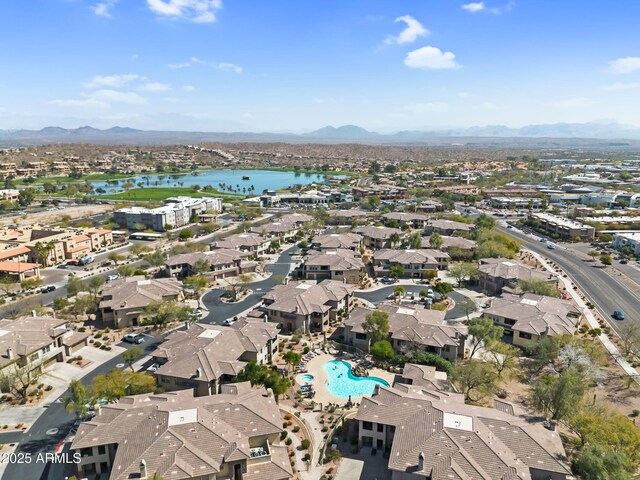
(511, 270)
(408, 257)
(349, 241)
(13, 252)
(425, 376)
(381, 233)
(336, 260)
(222, 256)
(17, 267)
(179, 436)
(458, 440)
(305, 298)
(137, 292)
(240, 240)
(26, 335)
(451, 225)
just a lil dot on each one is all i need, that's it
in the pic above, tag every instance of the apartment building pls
(123, 301)
(627, 241)
(333, 241)
(277, 231)
(204, 357)
(181, 437)
(435, 435)
(36, 342)
(414, 263)
(304, 307)
(346, 217)
(411, 328)
(497, 273)
(413, 220)
(252, 243)
(447, 227)
(377, 238)
(222, 263)
(9, 195)
(340, 264)
(563, 227)
(383, 192)
(449, 242)
(177, 212)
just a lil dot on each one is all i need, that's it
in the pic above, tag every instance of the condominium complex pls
(177, 212)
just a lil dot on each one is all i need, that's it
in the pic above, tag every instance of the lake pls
(227, 181)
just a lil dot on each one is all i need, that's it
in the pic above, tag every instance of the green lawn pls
(161, 193)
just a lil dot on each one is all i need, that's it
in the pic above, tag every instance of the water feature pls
(306, 378)
(226, 181)
(343, 383)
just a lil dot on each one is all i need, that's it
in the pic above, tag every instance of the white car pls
(153, 367)
(115, 276)
(133, 338)
(228, 322)
(430, 293)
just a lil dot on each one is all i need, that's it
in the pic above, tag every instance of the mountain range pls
(593, 134)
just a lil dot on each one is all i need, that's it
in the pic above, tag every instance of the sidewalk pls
(591, 320)
(314, 428)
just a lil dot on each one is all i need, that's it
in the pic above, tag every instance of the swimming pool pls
(342, 383)
(306, 378)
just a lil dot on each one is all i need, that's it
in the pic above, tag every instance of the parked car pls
(618, 315)
(133, 338)
(229, 321)
(197, 313)
(114, 276)
(63, 267)
(153, 367)
(48, 288)
(624, 261)
(72, 262)
(387, 279)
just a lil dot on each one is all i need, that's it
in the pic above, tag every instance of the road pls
(382, 294)
(607, 293)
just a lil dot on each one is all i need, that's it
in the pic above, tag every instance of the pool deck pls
(315, 368)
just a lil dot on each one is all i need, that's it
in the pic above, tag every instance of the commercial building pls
(177, 212)
(562, 227)
(176, 436)
(204, 357)
(630, 241)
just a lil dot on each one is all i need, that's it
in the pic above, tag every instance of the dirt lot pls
(52, 217)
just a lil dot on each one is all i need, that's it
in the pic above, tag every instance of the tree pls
(16, 379)
(485, 222)
(475, 379)
(126, 271)
(136, 249)
(593, 254)
(131, 355)
(30, 283)
(78, 398)
(399, 291)
(630, 336)
(382, 350)
(606, 259)
(414, 241)
(196, 282)
(394, 239)
(83, 305)
(26, 197)
(443, 288)
(503, 357)
(597, 462)
(156, 259)
(115, 257)
(435, 240)
(75, 286)
(557, 397)
(396, 271)
(185, 234)
(94, 285)
(538, 287)
(274, 246)
(292, 358)
(483, 332)
(467, 306)
(43, 251)
(376, 324)
(201, 266)
(464, 270)
(161, 313)
(118, 383)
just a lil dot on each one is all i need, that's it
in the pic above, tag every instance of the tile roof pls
(339, 259)
(381, 233)
(137, 292)
(450, 242)
(305, 298)
(407, 257)
(349, 241)
(451, 225)
(511, 270)
(222, 256)
(26, 335)
(240, 240)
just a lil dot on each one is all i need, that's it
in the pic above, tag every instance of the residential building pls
(451, 242)
(271, 199)
(252, 243)
(177, 212)
(299, 306)
(423, 376)
(378, 238)
(340, 264)
(204, 356)
(414, 220)
(122, 301)
(435, 435)
(529, 317)
(562, 227)
(411, 328)
(383, 192)
(447, 227)
(176, 436)
(430, 206)
(298, 219)
(346, 217)
(415, 263)
(513, 203)
(9, 195)
(36, 342)
(498, 273)
(277, 231)
(630, 241)
(333, 241)
(222, 262)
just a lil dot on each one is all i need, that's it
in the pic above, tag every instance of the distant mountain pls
(559, 135)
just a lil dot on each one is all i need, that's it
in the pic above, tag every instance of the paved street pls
(606, 292)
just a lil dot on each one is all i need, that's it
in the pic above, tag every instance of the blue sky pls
(286, 65)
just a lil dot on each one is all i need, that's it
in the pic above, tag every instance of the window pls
(380, 427)
(524, 335)
(361, 336)
(367, 426)
(101, 450)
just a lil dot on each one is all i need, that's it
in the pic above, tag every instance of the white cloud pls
(179, 65)
(155, 87)
(410, 34)
(114, 96)
(625, 65)
(189, 88)
(198, 11)
(195, 60)
(230, 67)
(621, 86)
(112, 80)
(102, 8)
(473, 7)
(430, 58)
(427, 107)
(573, 103)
